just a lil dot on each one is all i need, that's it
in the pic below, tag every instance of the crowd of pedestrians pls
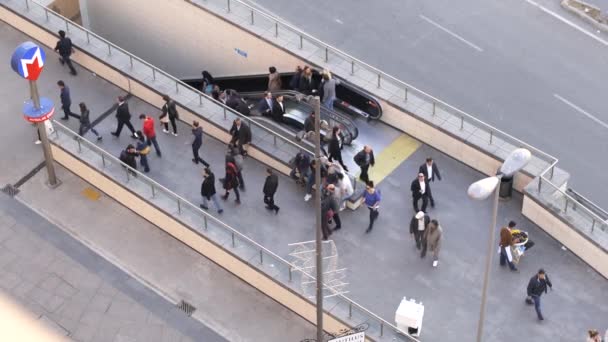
(336, 184)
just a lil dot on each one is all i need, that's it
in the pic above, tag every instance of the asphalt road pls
(509, 63)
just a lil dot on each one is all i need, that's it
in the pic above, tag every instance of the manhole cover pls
(186, 307)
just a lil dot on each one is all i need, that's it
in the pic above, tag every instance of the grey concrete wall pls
(177, 26)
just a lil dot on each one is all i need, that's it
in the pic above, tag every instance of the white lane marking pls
(339, 21)
(566, 21)
(451, 33)
(580, 110)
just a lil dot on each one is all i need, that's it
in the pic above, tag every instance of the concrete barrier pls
(570, 237)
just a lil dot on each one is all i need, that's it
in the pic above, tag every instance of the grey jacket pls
(329, 89)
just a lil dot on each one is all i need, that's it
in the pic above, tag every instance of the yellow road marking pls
(91, 194)
(392, 156)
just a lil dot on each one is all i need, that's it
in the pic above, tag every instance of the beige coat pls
(274, 82)
(433, 239)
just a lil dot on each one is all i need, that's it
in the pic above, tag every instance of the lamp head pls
(483, 188)
(516, 161)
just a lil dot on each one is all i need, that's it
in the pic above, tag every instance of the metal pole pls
(490, 254)
(46, 147)
(319, 246)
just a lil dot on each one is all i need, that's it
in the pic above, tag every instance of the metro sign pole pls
(28, 61)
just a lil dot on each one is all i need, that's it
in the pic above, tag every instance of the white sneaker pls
(307, 197)
(174, 134)
(165, 131)
(37, 142)
(435, 263)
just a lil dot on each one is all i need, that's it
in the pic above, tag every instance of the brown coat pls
(433, 239)
(274, 82)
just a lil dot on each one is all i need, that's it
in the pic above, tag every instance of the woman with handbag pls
(169, 114)
(143, 149)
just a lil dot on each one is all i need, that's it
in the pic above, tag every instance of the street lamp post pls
(316, 101)
(481, 190)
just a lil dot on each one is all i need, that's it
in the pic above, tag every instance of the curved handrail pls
(207, 216)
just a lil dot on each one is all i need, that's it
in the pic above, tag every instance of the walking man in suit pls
(124, 118)
(241, 136)
(66, 101)
(420, 189)
(365, 159)
(197, 142)
(65, 49)
(430, 171)
(270, 188)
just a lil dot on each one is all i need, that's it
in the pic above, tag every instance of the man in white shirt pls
(420, 189)
(430, 171)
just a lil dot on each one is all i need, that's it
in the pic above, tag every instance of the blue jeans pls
(143, 160)
(536, 300)
(152, 141)
(505, 259)
(310, 181)
(329, 102)
(215, 202)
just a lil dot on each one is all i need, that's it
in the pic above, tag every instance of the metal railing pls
(238, 11)
(138, 69)
(217, 231)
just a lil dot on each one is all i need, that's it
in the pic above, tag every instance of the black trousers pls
(325, 225)
(196, 157)
(373, 215)
(337, 220)
(338, 158)
(172, 119)
(429, 193)
(269, 200)
(364, 176)
(425, 201)
(67, 112)
(65, 59)
(418, 235)
(123, 123)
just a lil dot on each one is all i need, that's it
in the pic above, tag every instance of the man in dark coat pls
(270, 188)
(537, 285)
(418, 226)
(241, 135)
(66, 101)
(208, 191)
(365, 159)
(266, 105)
(420, 189)
(197, 142)
(123, 116)
(430, 171)
(279, 109)
(127, 156)
(65, 49)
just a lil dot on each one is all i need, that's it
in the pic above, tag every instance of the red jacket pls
(149, 127)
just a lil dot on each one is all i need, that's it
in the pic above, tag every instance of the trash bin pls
(506, 187)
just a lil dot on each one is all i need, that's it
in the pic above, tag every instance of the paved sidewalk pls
(223, 302)
(77, 293)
